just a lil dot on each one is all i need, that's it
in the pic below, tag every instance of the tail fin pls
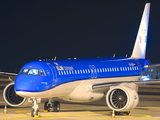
(139, 50)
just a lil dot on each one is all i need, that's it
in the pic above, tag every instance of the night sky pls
(42, 29)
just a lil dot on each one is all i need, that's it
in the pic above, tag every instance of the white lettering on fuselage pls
(64, 67)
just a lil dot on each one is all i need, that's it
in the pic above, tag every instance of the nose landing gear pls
(35, 111)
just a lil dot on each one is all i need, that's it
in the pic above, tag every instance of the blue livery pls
(44, 75)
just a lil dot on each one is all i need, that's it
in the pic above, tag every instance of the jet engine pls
(11, 98)
(122, 98)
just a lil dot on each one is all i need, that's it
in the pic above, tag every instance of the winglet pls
(139, 50)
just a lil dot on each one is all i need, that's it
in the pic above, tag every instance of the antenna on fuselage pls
(114, 55)
(126, 55)
(55, 58)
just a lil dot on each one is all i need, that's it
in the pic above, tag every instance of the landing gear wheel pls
(56, 107)
(34, 113)
(49, 107)
(37, 112)
(45, 106)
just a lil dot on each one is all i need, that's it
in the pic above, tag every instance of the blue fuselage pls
(40, 76)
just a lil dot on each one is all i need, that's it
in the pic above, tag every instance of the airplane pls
(83, 80)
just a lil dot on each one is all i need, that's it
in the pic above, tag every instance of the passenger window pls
(75, 72)
(91, 70)
(128, 68)
(117, 69)
(125, 68)
(23, 71)
(97, 70)
(42, 72)
(88, 71)
(33, 72)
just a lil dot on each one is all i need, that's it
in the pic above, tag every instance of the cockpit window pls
(42, 73)
(33, 72)
(23, 71)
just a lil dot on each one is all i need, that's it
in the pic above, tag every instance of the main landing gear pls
(48, 105)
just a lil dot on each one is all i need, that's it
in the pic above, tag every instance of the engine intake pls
(12, 98)
(122, 98)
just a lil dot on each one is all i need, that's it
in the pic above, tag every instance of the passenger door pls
(54, 74)
(93, 71)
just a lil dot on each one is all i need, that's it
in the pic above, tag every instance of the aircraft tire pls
(45, 106)
(32, 113)
(49, 107)
(56, 107)
(37, 112)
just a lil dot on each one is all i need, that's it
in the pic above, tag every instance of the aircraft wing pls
(152, 66)
(11, 76)
(102, 87)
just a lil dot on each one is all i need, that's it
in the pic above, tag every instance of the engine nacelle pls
(12, 99)
(122, 98)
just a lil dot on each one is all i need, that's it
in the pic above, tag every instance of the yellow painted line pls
(24, 111)
(48, 95)
(141, 115)
(148, 116)
(85, 114)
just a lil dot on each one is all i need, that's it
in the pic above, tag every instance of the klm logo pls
(59, 68)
